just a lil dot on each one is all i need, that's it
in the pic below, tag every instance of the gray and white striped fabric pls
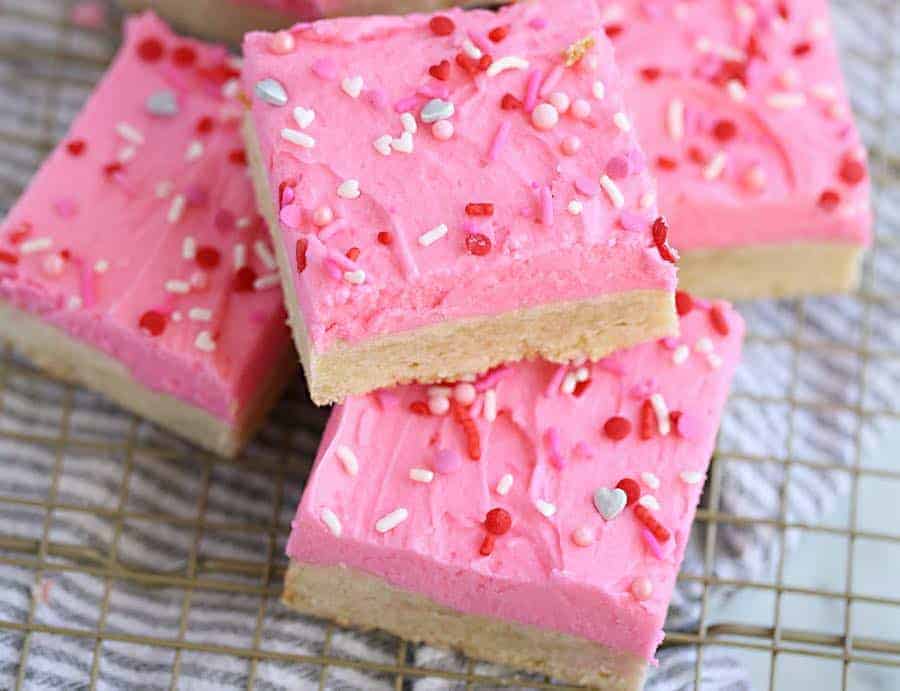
(207, 529)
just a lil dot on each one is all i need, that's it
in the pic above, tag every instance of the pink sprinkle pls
(291, 215)
(435, 91)
(404, 105)
(325, 68)
(618, 167)
(641, 588)
(538, 23)
(551, 81)
(88, 15)
(688, 426)
(583, 536)
(551, 439)
(224, 220)
(447, 461)
(492, 378)
(282, 43)
(555, 381)
(443, 130)
(531, 90)
(65, 208)
(669, 343)
(587, 186)
(546, 207)
(342, 260)
(333, 269)
(653, 544)
(571, 145)
(499, 140)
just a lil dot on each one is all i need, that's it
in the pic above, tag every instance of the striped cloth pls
(206, 530)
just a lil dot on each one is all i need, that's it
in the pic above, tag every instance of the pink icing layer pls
(760, 83)
(554, 447)
(494, 156)
(97, 237)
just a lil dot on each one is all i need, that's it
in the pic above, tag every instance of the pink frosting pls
(764, 100)
(553, 446)
(95, 241)
(539, 252)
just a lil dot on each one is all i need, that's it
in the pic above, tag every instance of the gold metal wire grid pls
(37, 46)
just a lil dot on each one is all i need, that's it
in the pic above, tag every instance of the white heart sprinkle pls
(650, 480)
(610, 502)
(409, 122)
(272, 92)
(352, 86)
(162, 103)
(348, 189)
(404, 144)
(304, 116)
(383, 144)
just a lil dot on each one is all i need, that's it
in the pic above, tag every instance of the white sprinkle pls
(205, 342)
(421, 475)
(101, 266)
(240, 256)
(352, 86)
(176, 210)
(622, 122)
(433, 235)
(786, 100)
(304, 117)
(575, 207)
(348, 459)
(471, 50)
(357, 277)
(188, 248)
(675, 119)
(824, 92)
(716, 166)
(582, 374)
(505, 484)
(703, 345)
(464, 393)
(297, 137)
(348, 189)
(243, 222)
(714, 361)
(265, 255)
(650, 502)
(163, 189)
(648, 199)
(650, 480)
(392, 520)
(599, 90)
(194, 151)
(35, 245)
(507, 62)
(612, 191)
(177, 316)
(681, 354)
(545, 507)
(409, 123)
(691, 477)
(267, 281)
(199, 314)
(568, 383)
(736, 90)
(490, 405)
(130, 133)
(176, 286)
(332, 522)
(231, 88)
(438, 405)
(126, 154)
(383, 144)
(662, 413)
(404, 143)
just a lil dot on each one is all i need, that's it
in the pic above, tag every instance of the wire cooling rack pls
(126, 562)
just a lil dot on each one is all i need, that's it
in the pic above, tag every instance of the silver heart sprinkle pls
(436, 109)
(271, 91)
(162, 103)
(610, 502)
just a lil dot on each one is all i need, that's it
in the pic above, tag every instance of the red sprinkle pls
(441, 70)
(660, 231)
(473, 439)
(353, 254)
(581, 387)
(150, 49)
(498, 521)
(487, 545)
(20, 232)
(802, 49)
(667, 254)
(244, 279)
(76, 147)
(724, 130)
(648, 420)
(385, 238)
(184, 56)
(441, 25)
(208, 257)
(479, 209)
(111, 169)
(419, 408)
(617, 428)
(485, 61)
(478, 244)
(613, 30)
(498, 33)
(510, 102)
(205, 125)
(7, 257)
(698, 156)
(651, 74)
(666, 163)
(631, 488)
(300, 252)
(829, 200)
(238, 157)
(153, 322)
(467, 63)
(852, 171)
(684, 303)
(660, 532)
(719, 320)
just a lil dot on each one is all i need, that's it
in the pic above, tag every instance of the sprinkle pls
(545, 507)
(736, 90)
(691, 477)
(642, 588)
(331, 521)
(681, 354)
(348, 459)
(101, 266)
(383, 144)
(487, 545)
(433, 235)
(35, 245)
(304, 117)
(490, 405)
(531, 90)
(438, 405)
(266, 282)
(194, 151)
(441, 25)
(786, 100)
(656, 529)
(649, 501)
(271, 91)
(240, 255)
(392, 520)
(610, 502)
(421, 475)
(622, 122)
(176, 209)
(560, 100)
(568, 383)
(675, 119)
(404, 143)
(575, 207)
(504, 485)
(498, 521)
(188, 248)
(508, 62)
(631, 488)
(716, 166)
(176, 286)
(648, 199)
(824, 92)
(662, 413)
(650, 480)
(199, 314)
(544, 117)
(575, 52)
(704, 345)
(499, 140)
(617, 428)
(437, 109)
(357, 277)
(713, 360)
(297, 137)
(352, 86)
(473, 439)
(447, 461)
(464, 393)
(348, 189)
(282, 43)
(612, 191)
(719, 320)
(162, 103)
(130, 133)
(471, 49)
(205, 342)
(581, 109)
(265, 255)
(583, 536)
(409, 123)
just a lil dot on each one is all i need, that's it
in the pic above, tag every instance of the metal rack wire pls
(98, 549)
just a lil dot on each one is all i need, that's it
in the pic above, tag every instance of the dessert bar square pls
(743, 112)
(536, 516)
(454, 191)
(135, 262)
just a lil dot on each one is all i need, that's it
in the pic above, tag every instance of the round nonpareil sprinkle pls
(580, 109)
(438, 405)
(544, 117)
(391, 520)
(642, 588)
(575, 207)
(348, 459)
(498, 521)
(443, 130)
(583, 536)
